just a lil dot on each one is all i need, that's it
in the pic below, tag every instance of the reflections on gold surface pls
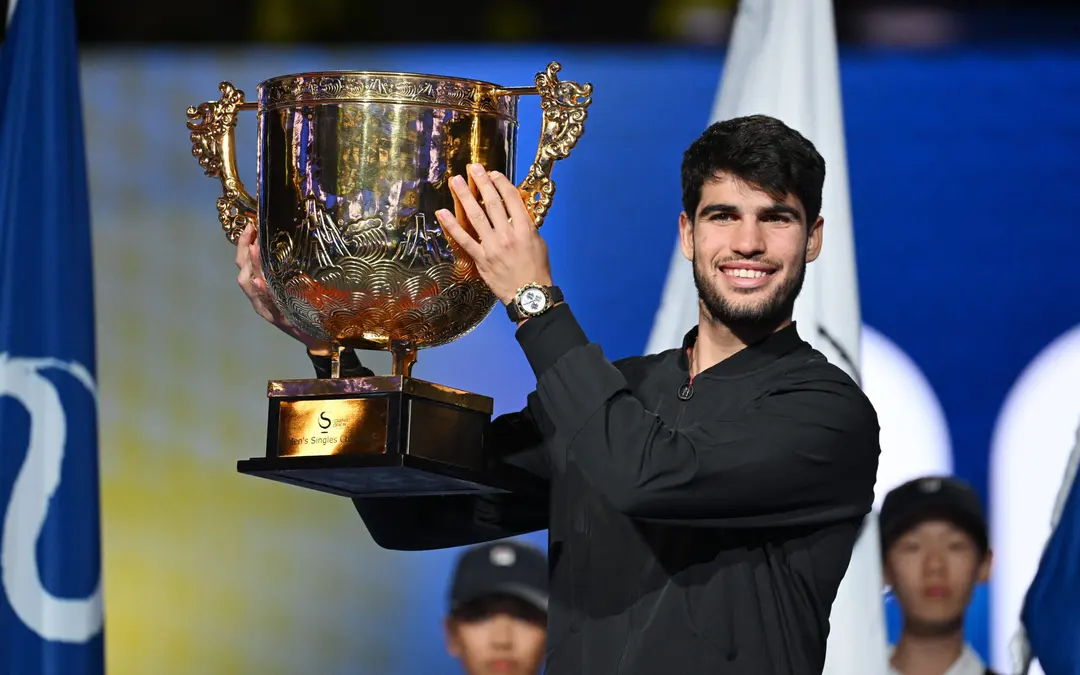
(352, 167)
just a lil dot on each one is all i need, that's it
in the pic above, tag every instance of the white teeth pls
(745, 273)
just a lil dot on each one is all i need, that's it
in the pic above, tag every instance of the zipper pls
(685, 392)
(687, 389)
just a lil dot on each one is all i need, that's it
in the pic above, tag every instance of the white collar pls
(969, 663)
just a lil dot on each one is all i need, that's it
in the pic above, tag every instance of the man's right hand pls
(253, 283)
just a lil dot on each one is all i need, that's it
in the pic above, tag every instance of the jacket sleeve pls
(804, 454)
(437, 521)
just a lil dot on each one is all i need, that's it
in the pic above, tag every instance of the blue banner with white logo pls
(50, 560)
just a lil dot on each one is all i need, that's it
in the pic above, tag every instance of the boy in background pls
(498, 610)
(936, 549)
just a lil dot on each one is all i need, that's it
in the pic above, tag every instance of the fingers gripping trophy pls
(352, 167)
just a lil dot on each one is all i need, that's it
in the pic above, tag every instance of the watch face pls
(532, 300)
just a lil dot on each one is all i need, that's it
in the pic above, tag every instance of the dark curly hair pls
(760, 150)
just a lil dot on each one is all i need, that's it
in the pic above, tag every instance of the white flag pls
(782, 62)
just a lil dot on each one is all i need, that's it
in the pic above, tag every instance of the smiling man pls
(704, 501)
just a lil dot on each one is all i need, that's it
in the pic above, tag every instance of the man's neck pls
(927, 655)
(717, 342)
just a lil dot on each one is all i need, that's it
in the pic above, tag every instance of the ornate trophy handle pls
(212, 125)
(565, 107)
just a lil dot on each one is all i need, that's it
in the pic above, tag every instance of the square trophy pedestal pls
(380, 436)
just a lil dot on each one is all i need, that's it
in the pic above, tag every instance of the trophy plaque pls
(352, 166)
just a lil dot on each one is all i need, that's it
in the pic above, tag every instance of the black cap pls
(508, 568)
(932, 498)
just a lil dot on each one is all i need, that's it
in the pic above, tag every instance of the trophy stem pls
(335, 362)
(404, 354)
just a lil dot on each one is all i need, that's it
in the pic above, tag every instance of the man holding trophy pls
(702, 503)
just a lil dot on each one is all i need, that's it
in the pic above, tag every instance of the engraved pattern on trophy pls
(442, 92)
(355, 255)
(352, 167)
(211, 125)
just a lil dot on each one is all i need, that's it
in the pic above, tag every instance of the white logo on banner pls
(52, 618)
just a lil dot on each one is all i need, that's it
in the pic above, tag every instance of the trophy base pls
(380, 437)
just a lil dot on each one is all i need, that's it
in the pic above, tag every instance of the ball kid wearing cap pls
(936, 550)
(498, 609)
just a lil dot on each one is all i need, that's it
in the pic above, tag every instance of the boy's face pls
(498, 636)
(933, 569)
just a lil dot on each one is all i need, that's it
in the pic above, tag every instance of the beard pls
(764, 313)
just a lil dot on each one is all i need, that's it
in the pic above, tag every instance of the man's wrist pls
(314, 346)
(320, 349)
(539, 280)
(533, 299)
(545, 338)
(525, 319)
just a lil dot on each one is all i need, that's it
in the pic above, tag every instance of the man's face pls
(933, 569)
(498, 636)
(749, 252)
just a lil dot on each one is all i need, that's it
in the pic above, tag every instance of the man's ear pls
(813, 239)
(686, 235)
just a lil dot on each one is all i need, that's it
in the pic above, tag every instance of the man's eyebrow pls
(710, 209)
(781, 209)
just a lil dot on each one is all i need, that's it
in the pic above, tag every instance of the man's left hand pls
(510, 252)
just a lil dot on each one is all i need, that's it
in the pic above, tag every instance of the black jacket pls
(706, 535)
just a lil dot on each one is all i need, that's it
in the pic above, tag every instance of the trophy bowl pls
(352, 166)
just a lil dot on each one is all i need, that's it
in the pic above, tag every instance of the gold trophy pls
(351, 169)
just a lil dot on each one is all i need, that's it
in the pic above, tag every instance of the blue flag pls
(50, 559)
(1051, 613)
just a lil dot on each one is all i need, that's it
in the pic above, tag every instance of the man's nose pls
(747, 239)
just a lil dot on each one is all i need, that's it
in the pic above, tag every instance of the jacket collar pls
(753, 357)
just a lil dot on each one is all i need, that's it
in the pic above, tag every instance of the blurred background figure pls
(498, 609)
(935, 546)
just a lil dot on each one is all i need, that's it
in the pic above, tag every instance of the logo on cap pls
(930, 484)
(503, 556)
